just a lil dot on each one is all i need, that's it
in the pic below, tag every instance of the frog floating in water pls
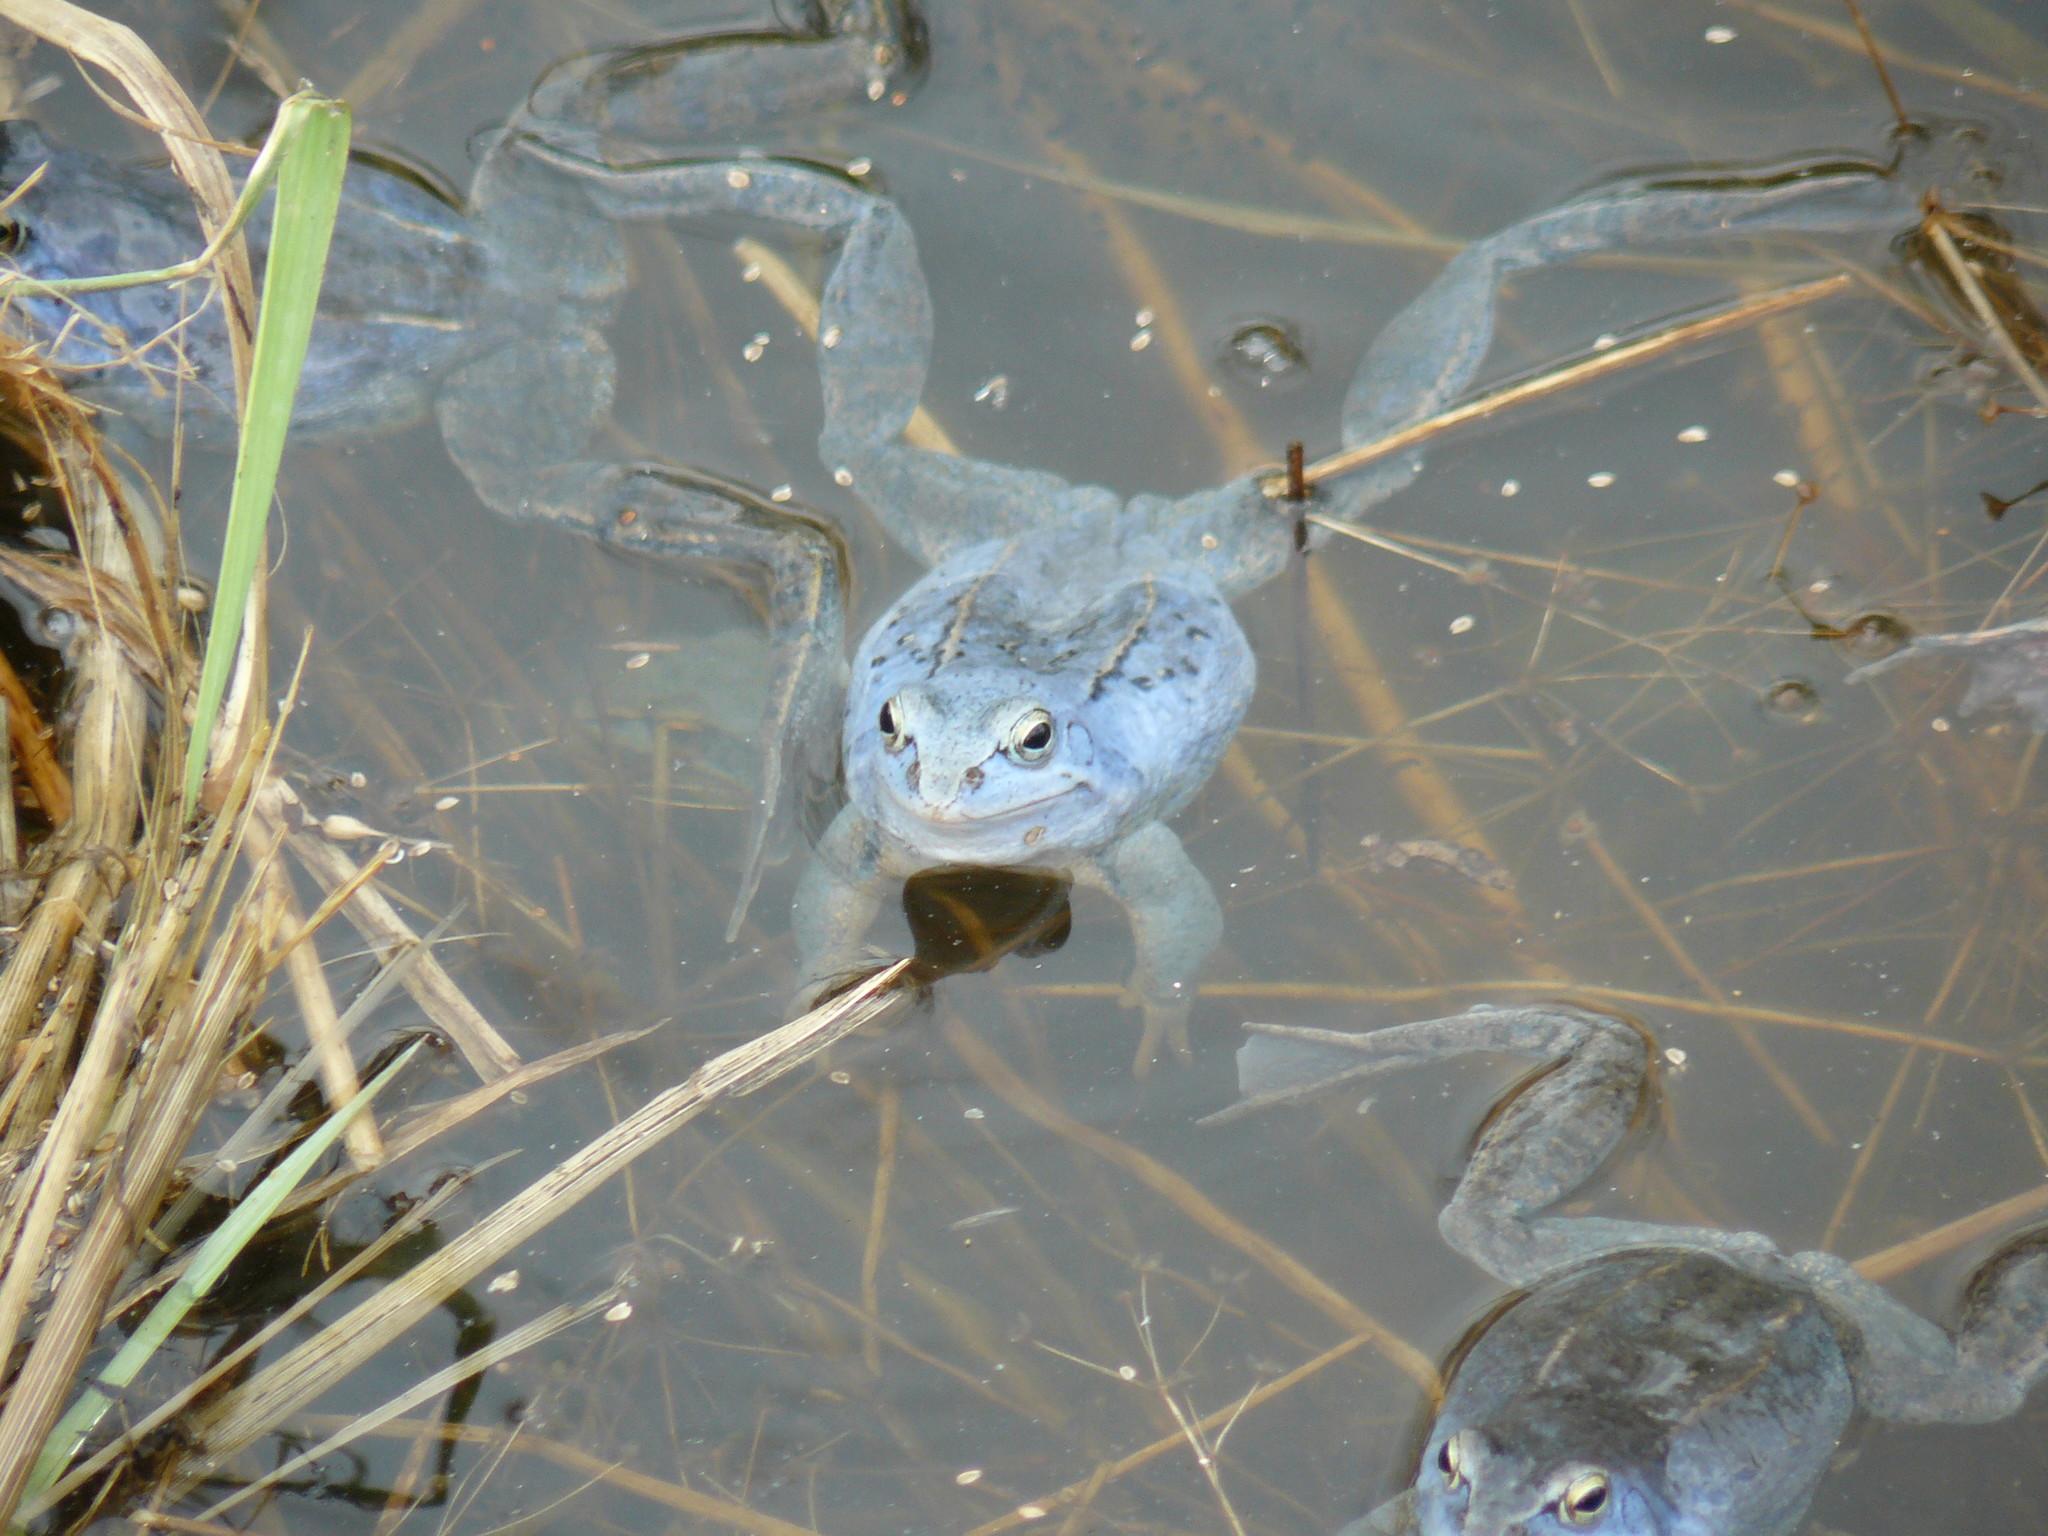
(1653, 1380)
(487, 313)
(1068, 673)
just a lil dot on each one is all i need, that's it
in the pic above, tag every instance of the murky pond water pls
(974, 1274)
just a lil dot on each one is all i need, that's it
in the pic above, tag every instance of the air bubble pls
(1874, 635)
(1793, 701)
(1269, 353)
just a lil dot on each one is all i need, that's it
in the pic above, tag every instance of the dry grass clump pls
(130, 984)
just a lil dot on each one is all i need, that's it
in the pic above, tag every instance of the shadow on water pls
(1575, 721)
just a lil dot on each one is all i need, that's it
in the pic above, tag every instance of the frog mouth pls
(953, 816)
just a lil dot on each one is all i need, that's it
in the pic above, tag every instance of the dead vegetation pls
(965, 1278)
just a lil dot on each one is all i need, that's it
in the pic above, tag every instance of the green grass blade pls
(206, 1266)
(309, 175)
(262, 175)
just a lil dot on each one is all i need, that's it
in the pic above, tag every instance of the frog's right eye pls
(1450, 1461)
(13, 236)
(890, 727)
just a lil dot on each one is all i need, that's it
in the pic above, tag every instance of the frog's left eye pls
(1031, 737)
(1585, 1499)
(1450, 1461)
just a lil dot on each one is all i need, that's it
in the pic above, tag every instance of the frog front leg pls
(1175, 922)
(1539, 1146)
(837, 897)
(1396, 1517)
(518, 422)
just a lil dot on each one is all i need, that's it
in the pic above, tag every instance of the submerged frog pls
(489, 314)
(1068, 673)
(1652, 1380)
(2008, 665)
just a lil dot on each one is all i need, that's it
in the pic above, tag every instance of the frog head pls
(1476, 1483)
(976, 766)
(68, 214)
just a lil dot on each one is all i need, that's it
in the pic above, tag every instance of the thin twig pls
(1746, 311)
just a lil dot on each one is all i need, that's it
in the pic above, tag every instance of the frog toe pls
(1163, 1023)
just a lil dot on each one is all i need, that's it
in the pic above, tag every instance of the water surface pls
(1824, 900)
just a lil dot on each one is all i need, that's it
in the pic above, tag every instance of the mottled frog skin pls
(1652, 1380)
(1069, 672)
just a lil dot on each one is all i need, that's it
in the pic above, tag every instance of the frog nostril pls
(971, 778)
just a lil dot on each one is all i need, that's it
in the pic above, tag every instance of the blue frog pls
(1650, 1380)
(1068, 673)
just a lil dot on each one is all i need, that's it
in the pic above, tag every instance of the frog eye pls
(893, 736)
(1031, 737)
(1584, 1500)
(13, 236)
(1450, 1461)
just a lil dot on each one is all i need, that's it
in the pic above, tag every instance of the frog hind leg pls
(1429, 352)
(1545, 1140)
(875, 341)
(681, 90)
(1911, 1370)
(518, 421)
